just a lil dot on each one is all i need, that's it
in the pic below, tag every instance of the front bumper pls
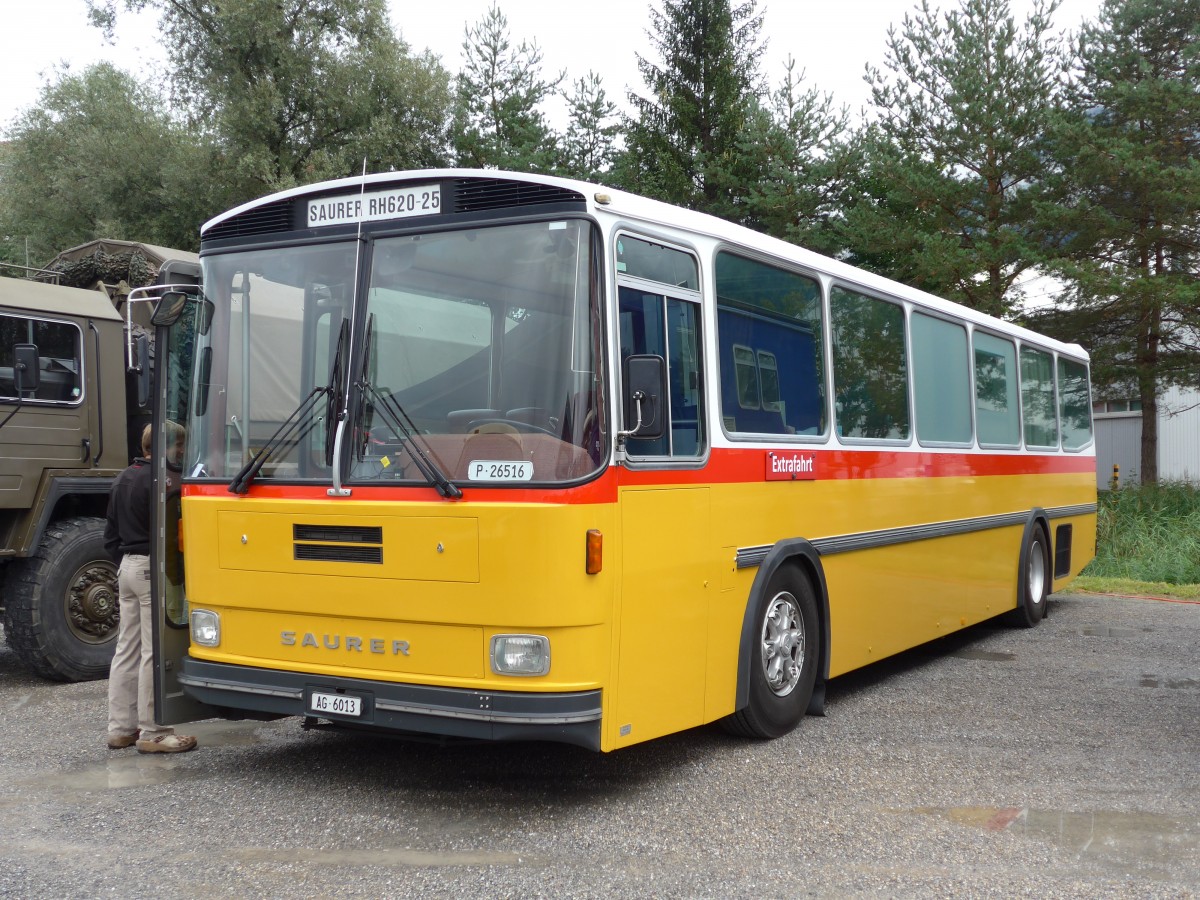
(571, 718)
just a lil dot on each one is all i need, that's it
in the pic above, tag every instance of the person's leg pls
(145, 664)
(154, 738)
(123, 673)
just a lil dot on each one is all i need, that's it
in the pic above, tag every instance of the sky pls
(830, 41)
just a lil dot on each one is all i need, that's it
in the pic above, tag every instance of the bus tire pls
(786, 652)
(1033, 584)
(61, 603)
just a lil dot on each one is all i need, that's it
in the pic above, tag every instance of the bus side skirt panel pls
(806, 555)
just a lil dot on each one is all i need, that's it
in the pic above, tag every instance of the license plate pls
(499, 470)
(339, 704)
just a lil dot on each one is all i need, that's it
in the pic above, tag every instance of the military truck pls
(74, 397)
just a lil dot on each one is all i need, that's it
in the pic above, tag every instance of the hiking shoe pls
(167, 743)
(121, 741)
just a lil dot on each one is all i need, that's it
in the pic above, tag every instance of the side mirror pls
(169, 308)
(171, 304)
(27, 374)
(645, 379)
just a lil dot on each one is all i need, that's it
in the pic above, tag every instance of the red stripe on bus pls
(724, 466)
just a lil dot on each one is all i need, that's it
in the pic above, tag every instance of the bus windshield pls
(481, 357)
(472, 356)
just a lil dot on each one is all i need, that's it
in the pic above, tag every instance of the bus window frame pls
(666, 291)
(1056, 447)
(1087, 374)
(1020, 442)
(824, 340)
(968, 332)
(904, 305)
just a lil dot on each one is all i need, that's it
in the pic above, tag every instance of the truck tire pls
(62, 604)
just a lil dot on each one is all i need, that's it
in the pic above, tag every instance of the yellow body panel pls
(658, 629)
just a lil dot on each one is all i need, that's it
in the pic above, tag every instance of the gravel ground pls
(1058, 762)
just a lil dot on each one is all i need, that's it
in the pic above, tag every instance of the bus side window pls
(870, 374)
(670, 328)
(768, 339)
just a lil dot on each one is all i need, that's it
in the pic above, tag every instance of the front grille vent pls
(331, 553)
(475, 194)
(266, 219)
(338, 543)
(339, 534)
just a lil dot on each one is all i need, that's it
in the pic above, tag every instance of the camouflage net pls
(132, 268)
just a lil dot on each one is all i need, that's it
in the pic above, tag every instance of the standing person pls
(131, 677)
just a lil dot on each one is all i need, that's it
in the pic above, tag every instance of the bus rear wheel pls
(1033, 585)
(783, 664)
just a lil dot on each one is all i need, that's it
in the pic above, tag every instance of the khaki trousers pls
(131, 676)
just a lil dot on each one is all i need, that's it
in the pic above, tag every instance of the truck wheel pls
(62, 603)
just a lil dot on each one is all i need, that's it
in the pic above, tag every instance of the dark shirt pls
(127, 529)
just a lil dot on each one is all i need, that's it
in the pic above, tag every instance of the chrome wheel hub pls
(783, 644)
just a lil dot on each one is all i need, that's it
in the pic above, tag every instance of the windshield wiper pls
(394, 412)
(387, 404)
(283, 434)
(298, 419)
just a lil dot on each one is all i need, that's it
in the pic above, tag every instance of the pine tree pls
(499, 122)
(589, 145)
(955, 154)
(682, 141)
(795, 151)
(1128, 160)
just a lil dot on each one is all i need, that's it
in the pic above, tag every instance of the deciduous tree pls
(98, 156)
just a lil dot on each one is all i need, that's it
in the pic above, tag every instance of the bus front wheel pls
(1033, 586)
(784, 654)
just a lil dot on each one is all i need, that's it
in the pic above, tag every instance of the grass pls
(1148, 542)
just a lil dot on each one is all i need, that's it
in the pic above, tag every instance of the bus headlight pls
(206, 628)
(520, 654)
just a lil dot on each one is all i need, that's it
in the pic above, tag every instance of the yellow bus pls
(478, 454)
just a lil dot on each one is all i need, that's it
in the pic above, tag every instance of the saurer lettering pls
(352, 643)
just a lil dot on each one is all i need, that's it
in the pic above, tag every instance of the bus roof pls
(635, 208)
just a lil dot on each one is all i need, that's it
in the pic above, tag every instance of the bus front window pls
(482, 356)
(271, 345)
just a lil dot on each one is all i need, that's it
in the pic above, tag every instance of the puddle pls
(987, 655)
(1173, 684)
(1130, 840)
(390, 856)
(128, 768)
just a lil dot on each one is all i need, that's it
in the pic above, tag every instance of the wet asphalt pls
(1058, 762)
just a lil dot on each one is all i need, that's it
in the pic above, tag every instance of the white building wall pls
(1179, 436)
(1118, 442)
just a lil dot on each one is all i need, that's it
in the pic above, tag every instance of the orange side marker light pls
(595, 551)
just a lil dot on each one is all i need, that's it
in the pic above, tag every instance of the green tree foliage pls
(954, 157)
(684, 139)
(589, 146)
(499, 122)
(97, 157)
(1128, 160)
(296, 91)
